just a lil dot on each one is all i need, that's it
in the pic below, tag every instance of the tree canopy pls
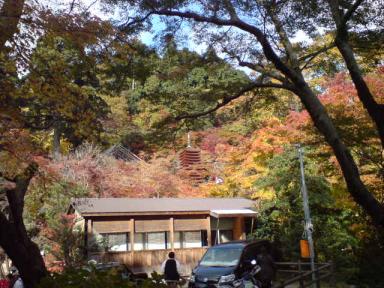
(248, 90)
(258, 35)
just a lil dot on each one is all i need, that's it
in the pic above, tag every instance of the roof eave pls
(149, 213)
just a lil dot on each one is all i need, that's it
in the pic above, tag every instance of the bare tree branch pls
(128, 25)
(284, 38)
(262, 70)
(321, 50)
(313, 55)
(231, 10)
(267, 48)
(350, 11)
(256, 67)
(227, 100)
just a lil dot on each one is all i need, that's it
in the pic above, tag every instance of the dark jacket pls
(170, 270)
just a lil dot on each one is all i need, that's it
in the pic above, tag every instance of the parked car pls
(226, 264)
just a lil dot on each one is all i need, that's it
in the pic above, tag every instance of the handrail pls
(300, 275)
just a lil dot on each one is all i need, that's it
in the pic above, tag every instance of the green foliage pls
(47, 223)
(281, 220)
(181, 82)
(89, 277)
(61, 91)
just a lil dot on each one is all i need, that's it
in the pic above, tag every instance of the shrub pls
(89, 277)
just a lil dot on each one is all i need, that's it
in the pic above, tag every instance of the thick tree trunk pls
(324, 124)
(24, 254)
(313, 105)
(10, 14)
(14, 239)
(351, 174)
(374, 109)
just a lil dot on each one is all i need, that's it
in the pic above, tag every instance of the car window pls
(221, 257)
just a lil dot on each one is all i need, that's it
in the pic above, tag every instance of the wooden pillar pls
(242, 223)
(172, 233)
(209, 231)
(85, 250)
(131, 257)
(88, 235)
(239, 229)
(132, 233)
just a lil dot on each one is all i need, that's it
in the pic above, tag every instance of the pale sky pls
(147, 37)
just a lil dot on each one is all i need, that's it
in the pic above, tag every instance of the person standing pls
(171, 270)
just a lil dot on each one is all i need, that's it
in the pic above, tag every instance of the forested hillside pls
(73, 87)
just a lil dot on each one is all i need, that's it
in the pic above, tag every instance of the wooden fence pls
(151, 260)
(300, 272)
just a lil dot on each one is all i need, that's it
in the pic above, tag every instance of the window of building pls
(162, 240)
(188, 239)
(225, 236)
(139, 243)
(156, 241)
(114, 241)
(150, 241)
(177, 241)
(192, 239)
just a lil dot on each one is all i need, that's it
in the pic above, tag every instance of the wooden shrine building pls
(140, 232)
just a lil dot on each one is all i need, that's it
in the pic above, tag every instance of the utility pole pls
(308, 226)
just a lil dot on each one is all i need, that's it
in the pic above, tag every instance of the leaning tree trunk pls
(14, 239)
(315, 108)
(351, 174)
(324, 124)
(374, 109)
(25, 254)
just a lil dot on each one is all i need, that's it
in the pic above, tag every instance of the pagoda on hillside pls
(191, 166)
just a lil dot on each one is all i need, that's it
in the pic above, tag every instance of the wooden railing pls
(151, 260)
(300, 272)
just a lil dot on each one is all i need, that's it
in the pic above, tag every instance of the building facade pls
(140, 232)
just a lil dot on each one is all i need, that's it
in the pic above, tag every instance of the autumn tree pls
(60, 94)
(258, 35)
(22, 24)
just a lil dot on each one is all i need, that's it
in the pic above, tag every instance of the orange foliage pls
(104, 176)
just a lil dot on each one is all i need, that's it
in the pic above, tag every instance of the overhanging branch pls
(262, 70)
(227, 100)
(313, 55)
(128, 25)
(350, 11)
(269, 53)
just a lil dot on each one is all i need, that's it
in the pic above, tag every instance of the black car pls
(223, 265)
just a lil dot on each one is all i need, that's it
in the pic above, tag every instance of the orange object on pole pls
(304, 249)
